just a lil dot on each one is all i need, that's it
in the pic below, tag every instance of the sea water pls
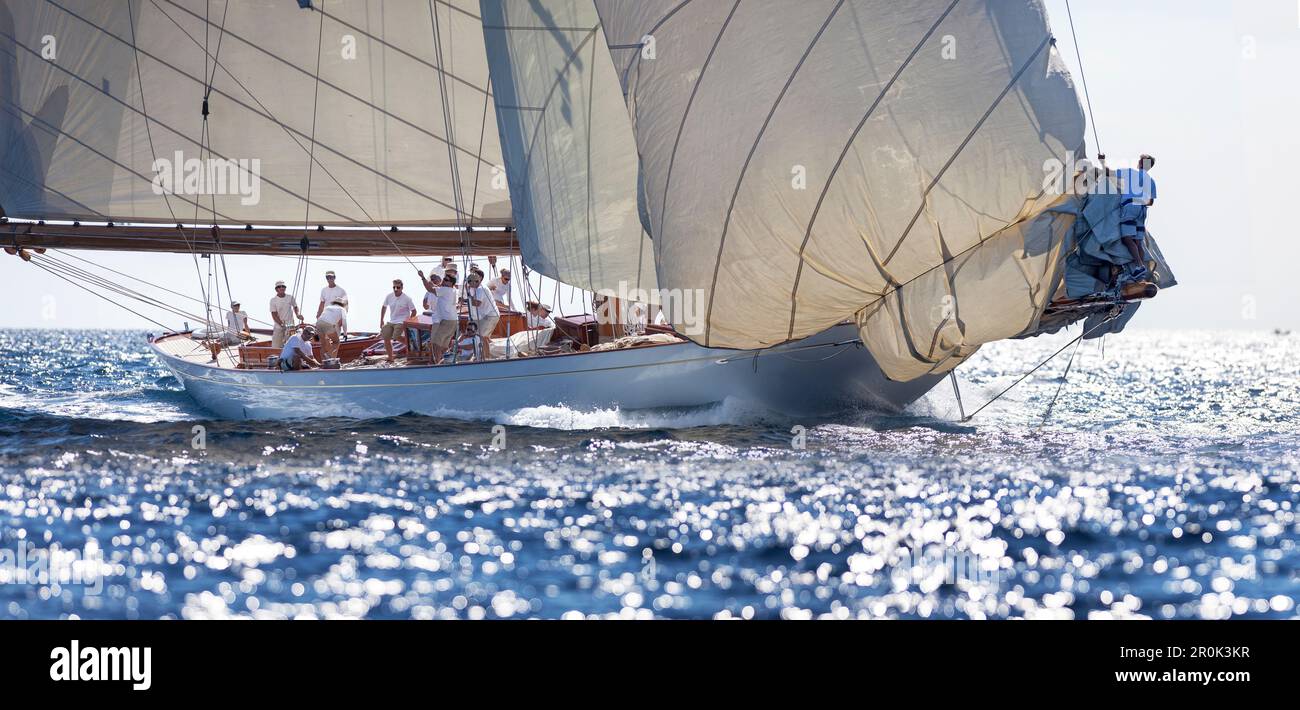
(1162, 483)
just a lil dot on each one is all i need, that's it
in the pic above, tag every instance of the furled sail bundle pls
(322, 112)
(567, 144)
(804, 163)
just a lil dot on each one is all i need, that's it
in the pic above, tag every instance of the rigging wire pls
(144, 111)
(206, 137)
(99, 295)
(109, 286)
(1079, 56)
(101, 279)
(55, 269)
(458, 195)
(1047, 414)
(348, 193)
(301, 274)
(1022, 378)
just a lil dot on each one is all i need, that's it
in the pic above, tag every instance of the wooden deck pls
(194, 351)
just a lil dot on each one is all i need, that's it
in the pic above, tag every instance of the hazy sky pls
(1210, 87)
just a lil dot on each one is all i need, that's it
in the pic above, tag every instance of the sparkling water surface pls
(1163, 484)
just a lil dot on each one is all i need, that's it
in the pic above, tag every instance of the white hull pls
(823, 375)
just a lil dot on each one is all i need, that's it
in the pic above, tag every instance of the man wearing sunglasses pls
(398, 307)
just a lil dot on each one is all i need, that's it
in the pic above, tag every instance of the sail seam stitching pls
(740, 179)
(830, 179)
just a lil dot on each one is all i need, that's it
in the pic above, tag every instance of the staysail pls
(322, 112)
(567, 144)
(804, 163)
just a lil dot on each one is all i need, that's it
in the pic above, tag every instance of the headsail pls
(809, 162)
(103, 112)
(568, 144)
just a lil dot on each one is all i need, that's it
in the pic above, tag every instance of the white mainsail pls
(809, 162)
(568, 145)
(95, 93)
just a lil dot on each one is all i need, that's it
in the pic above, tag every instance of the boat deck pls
(184, 348)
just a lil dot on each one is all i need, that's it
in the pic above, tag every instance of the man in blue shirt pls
(1138, 193)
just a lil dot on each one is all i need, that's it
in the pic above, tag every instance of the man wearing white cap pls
(501, 293)
(284, 309)
(441, 269)
(331, 293)
(539, 316)
(482, 309)
(236, 325)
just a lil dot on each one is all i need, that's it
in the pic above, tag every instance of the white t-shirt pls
(536, 321)
(446, 304)
(284, 307)
(501, 291)
(1136, 185)
(334, 315)
(431, 304)
(332, 294)
(236, 323)
(487, 304)
(399, 307)
(468, 348)
(295, 342)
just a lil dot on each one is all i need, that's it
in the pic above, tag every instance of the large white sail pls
(804, 163)
(100, 99)
(568, 145)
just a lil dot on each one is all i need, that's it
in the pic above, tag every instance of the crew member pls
(331, 293)
(296, 353)
(447, 315)
(284, 314)
(539, 316)
(332, 325)
(398, 307)
(470, 345)
(501, 293)
(236, 326)
(482, 310)
(1138, 193)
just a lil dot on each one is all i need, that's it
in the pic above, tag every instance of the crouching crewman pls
(297, 353)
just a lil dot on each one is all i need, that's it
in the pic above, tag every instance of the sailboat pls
(833, 203)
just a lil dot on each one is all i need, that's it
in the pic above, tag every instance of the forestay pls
(809, 162)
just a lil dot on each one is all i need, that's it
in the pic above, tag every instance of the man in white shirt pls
(446, 315)
(236, 325)
(482, 310)
(469, 346)
(501, 292)
(296, 353)
(441, 269)
(284, 315)
(332, 325)
(539, 316)
(331, 293)
(1138, 193)
(397, 307)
